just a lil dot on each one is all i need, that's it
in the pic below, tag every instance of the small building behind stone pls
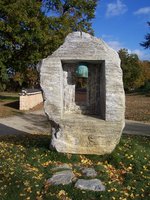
(86, 111)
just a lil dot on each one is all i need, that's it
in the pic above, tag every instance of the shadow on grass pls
(11, 135)
(14, 104)
(30, 142)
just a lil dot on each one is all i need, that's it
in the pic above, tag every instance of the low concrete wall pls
(30, 100)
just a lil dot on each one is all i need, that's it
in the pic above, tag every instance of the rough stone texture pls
(73, 132)
(86, 134)
(89, 172)
(93, 184)
(62, 166)
(64, 177)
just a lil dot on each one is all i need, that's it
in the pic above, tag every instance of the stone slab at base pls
(82, 134)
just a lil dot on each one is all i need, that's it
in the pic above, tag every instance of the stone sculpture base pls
(82, 134)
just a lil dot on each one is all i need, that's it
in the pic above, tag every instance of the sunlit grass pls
(26, 162)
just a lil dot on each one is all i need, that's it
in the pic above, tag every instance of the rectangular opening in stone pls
(84, 94)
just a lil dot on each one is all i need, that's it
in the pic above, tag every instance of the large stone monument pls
(83, 95)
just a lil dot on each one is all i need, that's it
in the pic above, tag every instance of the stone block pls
(93, 126)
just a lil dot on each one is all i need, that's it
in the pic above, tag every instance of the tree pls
(32, 29)
(24, 36)
(132, 72)
(146, 43)
(146, 74)
(29, 78)
(72, 14)
(24, 33)
(32, 77)
(3, 76)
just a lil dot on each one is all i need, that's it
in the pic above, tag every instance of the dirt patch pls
(9, 108)
(9, 105)
(12, 108)
(138, 107)
(38, 107)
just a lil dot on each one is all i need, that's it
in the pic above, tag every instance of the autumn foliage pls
(136, 73)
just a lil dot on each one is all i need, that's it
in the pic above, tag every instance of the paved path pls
(31, 122)
(36, 122)
(137, 128)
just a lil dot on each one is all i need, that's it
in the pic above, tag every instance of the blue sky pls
(123, 24)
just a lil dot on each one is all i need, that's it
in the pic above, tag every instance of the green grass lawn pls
(26, 162)
(9, 96)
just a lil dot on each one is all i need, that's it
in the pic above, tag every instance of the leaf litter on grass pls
(26, 163)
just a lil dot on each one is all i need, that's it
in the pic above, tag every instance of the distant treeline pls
(32, 30)
(136, 73)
